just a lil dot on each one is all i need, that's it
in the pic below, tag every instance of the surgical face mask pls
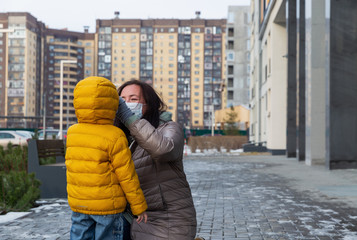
(136, 108)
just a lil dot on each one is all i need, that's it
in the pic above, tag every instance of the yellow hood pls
(96, 101)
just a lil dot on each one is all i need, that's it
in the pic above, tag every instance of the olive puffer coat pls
(101, 176)
(158, 162)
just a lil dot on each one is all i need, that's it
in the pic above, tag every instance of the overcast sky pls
(74, 14)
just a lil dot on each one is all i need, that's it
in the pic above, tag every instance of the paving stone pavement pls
(239, 197)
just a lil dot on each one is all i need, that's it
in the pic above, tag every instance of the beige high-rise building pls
(30, 56)
(182, 59)
(21, 58)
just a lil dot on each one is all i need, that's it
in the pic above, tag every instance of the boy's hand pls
(141, 217)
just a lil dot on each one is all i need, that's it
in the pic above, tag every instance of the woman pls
(157, 149)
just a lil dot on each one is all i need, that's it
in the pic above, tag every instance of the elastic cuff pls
(130, 120)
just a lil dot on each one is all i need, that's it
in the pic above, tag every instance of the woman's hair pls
(154, 105)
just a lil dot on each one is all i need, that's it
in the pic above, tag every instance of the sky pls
(74, 14)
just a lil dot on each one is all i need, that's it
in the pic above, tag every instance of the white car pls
(16, 138)
(28, 134)
(50, 134)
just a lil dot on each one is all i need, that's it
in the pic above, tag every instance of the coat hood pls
(95, 101)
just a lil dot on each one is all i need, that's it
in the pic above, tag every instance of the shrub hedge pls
(216, 142)
(18, 189)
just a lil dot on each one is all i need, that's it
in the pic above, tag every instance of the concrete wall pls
(341, 88)
(240, 52)
(315, 82)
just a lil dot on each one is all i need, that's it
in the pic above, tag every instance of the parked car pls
(16, 138)
(51, 134)
(28, 134)
(64, 134)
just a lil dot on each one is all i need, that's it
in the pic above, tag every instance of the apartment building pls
(21, 73)
(238, 56)
(30, 56)
(182, 60)
(303, 101)
(63, 45)
(268, 75)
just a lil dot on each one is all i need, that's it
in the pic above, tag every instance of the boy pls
(101, 176)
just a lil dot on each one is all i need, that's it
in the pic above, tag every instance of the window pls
(230, 95)
(230, 18)
(230, 44)
(230, 56)
(230, 82)
(230, 70)
(230, 32)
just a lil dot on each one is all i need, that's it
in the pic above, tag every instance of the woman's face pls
(132, 93)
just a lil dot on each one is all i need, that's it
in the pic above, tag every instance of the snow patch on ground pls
(46, 207)
(12, 216)
(207, 152)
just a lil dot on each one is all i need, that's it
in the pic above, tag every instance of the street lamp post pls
(61, 96)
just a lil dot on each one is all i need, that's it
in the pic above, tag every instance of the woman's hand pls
(141, 217)
(124, 114)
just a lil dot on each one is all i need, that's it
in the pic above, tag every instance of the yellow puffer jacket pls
(101, 176)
